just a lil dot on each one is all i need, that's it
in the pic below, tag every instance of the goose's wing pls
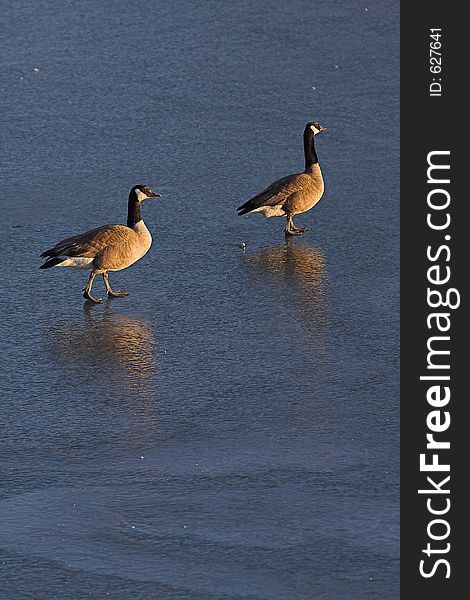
(278, 193)
(90, 243)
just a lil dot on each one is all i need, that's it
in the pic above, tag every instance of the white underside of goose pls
(77, 262)
(271, 211)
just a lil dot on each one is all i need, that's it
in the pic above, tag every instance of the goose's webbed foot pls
(117, 294)
(88, 296)
(296, 231)
(109, 291)
(291, 229)
(299, 230)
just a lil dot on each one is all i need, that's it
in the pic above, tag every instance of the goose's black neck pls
(133, 211)
(311, 157)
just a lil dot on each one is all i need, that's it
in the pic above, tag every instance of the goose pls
(107, 248)
(293, 194)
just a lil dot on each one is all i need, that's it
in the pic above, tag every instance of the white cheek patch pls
(314, 129)
(140, 195)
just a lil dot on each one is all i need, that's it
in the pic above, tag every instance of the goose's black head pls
(137, 194)
(314, 127)
(142, 192)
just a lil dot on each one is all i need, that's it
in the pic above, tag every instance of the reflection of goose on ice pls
(108, 344)
(298, 272)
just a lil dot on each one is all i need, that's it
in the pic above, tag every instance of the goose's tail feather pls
(52, 262)
(244, 209)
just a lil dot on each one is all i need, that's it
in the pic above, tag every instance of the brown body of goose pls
(107, 248)
(293, 194)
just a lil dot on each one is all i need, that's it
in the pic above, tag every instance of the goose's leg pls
(87, 291)
(110, 292)
(291, 229)
(288, 227)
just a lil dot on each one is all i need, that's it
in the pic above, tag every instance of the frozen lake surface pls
(230, 429)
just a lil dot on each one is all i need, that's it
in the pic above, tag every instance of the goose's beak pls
(323, 128)
(154, 195)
